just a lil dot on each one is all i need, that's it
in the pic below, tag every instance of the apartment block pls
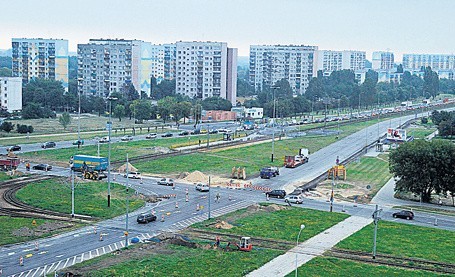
(329, 61)
(206, 69)
(382, 61)
(11, 93)
(40, 58)
(437, 62)
(106, 66)
(271, 63)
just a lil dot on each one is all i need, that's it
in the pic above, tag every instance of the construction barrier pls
(251, 186)
(168, 196)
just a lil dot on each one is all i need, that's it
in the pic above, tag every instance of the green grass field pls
(405, 241)
(183, 261)
(420, 133)
(90, 198)
(329, 266)
(283, 224)
(10, 224)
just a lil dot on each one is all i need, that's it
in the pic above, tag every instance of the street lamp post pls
(302, 226)
(79, 121)
(109, 127)
(209, 214)
(273, 123)
(127, 203)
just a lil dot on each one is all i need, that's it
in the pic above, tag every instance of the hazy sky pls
(403, 26)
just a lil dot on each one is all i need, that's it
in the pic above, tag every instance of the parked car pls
(49, 144)
(78, 142)
(104, 140)
(223, 130)
(133, 175)
(166, 182)
(167, 135)
(127, 138)
(195, 132)
(184, 133)
(151, 136)
(202, 187)
(14, 148)
(297, 199)
(145, 218)
(278, 193)
(213, 131)
(45, 167)
(404, 214)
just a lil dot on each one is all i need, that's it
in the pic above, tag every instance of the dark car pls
(14, 148)
(49, 144)
(278, 193)
(145, 218)
(184, 133)
(45, 167)
(404, 214)
(167, 135)
(78, 142)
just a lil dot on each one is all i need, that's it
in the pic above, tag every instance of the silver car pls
(296, 199)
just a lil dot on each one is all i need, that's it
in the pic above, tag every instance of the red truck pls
(294, 161)
(8, 163)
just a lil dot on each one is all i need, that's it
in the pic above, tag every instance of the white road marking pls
(12, 253)
(28, 273)
(67, 260)
(74, 260)
(50, 268)
(97, 253)
(36, 271)
(59, 256)
(110, 248)
(82, 257)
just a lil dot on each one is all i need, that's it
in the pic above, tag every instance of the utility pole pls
(79, 122)
(109, 127)
(127, 202)
(72, 193)
(209, 215)
(376, 219)
(331, 195)
(273, 123)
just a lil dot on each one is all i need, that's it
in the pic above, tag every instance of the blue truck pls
(269, 172)
(92, 162)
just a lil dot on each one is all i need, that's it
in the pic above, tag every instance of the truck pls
(8, 163)
(78, 163)
(269, 172)
(294, 161)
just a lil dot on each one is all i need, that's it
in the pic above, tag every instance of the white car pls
(296, 199)
(202, 187)
(104, 139)
(127, 138)
(151, 136)
(222, 130)
(133, 175)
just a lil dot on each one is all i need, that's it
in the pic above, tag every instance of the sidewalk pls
(313, 247)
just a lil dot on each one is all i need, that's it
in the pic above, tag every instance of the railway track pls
(360, 256)
(16, 208)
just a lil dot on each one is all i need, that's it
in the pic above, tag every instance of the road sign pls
(108, 126)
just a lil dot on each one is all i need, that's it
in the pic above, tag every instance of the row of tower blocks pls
(200, 69)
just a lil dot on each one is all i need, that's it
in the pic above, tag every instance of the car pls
(278, 193)
(103, 140)
(213, 131)
(127, 138)
(195, 132)
(133, 175)
(151, 136)
(14, 148)
(146, 218)
(202, 187)
(166, 182)
(49, 144)
(184, 133)
(166, 135)
(297, 199)
(404, 214)
(45, 167)
(78, 142)
(222, 130)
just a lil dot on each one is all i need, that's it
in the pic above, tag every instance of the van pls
(202, 187)
(133, 175)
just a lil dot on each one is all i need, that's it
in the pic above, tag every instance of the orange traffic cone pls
(176, 205)
(21, 261)
(101, 237)
(162, 218)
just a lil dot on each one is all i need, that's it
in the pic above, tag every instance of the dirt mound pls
(183, 175)
(160, 150)
(196, 176)
(223, 225)
(274, 208)
(253, 208)
(131, 168)
(149, 198)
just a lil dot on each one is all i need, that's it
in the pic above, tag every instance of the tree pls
(130, 92)
(119, 111)
(163, 89)
(23, 129)
(165, 107)
(216, 103)
(431, 82)
(400, 68)
(64, 119)
(7, 126)
(5, 72)
(142, 109)
(423, 167)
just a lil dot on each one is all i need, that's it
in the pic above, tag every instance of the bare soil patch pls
(42, 229)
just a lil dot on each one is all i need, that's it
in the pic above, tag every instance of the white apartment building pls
(106, 66)
(437, 62)
(382, 61)
(272, 63)
(329, 61)
(162, 58)
(11, 93)
(40, 58)
(206, 69)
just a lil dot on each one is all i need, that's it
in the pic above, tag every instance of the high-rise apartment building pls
(382, 60)
(106, 66)
(206, 69)
(329, 61)
(40, 58)
(437, 62)
(11, 93)
(271, 63)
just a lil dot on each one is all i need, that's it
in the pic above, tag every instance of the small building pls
(215, 115)
(252, 113)
(11, 93)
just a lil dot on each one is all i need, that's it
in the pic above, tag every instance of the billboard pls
(396, 134)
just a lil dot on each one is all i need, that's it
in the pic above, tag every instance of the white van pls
(133, 175)
(202, 187)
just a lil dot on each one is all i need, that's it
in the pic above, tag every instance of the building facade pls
(106, 66)
(329, 61)
(382, 61)
(206, 69)
(437, 62)
(11, 93)
(272, 63)
(40, 58)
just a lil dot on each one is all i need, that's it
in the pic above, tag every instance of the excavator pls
(244, 245)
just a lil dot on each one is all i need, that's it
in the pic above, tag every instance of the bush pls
(424, 120)
(23, 129)
(7, 126)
